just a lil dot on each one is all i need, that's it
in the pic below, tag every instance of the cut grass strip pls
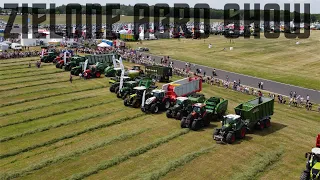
(173, 165)
(45, 105)
(52, 95)
(25, 67)
(119, 159)
(32, 75)
(39, 84)
(259, 165)
(57, 113)
(10, 62)
(30, 80)
(36, 91)
(81, 119)
(73, 154)
(74, 134)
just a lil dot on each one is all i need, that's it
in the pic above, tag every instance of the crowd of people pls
(18, 54)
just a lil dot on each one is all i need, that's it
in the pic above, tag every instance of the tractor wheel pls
(154, 108)
(305, 176)
(97, 74)
(111, 89)
(167, 104)
(124, 96)
(231, 138)
(261, 125)
(125, 102)
(216, 132)
(183, 122)
(195, 125)
(189, 121)
(267, 123)
(135, 104)
(57, 65)
(168, 114)
(242, 132)
(61, 66)
(118, 94)
(116, 89)
(178, 116)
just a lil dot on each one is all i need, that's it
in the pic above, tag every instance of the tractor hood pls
(150, 100)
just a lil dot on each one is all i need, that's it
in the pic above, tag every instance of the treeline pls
(128, 10)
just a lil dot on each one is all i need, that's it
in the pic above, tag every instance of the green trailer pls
(255, 113)
(160, 73)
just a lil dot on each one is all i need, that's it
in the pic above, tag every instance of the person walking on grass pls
(70, 78)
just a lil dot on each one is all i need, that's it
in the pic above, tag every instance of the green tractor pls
(145, 86)
(255, 113)
(115, 82)
(50, 57)
(183, 106)
(74, 62)
(127, 89)
(135, 99)
(312, 171)
(203, 113)
(110, 71)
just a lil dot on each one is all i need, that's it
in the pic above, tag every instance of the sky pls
(217, 4)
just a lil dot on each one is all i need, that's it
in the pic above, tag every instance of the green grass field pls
(274, 59)
(61, 19)
(52, 129)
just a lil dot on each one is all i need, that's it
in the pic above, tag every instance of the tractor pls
(74, 61)
(110, 71)
(312, 171)
(203, 113)
(127, 89)
(135, 99)
(60, 64)
(157, 101)
(115, 82)
(183, 106)
(96, 70)
(49, 58)
(255, 113)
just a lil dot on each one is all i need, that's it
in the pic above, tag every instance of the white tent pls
(4, 46)
(103, 45)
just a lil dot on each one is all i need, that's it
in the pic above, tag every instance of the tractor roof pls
(182, 98)
(316, 150)
(117, 68)
(158, 90)
(131, 82)
(199, 105)
(232, 116)
(126, 77)
(140, 88)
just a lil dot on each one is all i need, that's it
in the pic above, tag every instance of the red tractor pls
(60, 63)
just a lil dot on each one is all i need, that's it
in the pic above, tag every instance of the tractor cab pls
(230, 119)
(182, 101)
(130, 84)
(139, 90)
(199, 108)
(158, 93)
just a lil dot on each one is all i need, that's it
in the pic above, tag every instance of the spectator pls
(261, 85)
(70, 78)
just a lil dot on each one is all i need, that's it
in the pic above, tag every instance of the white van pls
(16, 46)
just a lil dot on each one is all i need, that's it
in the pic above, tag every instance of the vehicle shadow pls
(275, 126)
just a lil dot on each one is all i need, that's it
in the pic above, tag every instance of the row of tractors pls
(181, 100)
